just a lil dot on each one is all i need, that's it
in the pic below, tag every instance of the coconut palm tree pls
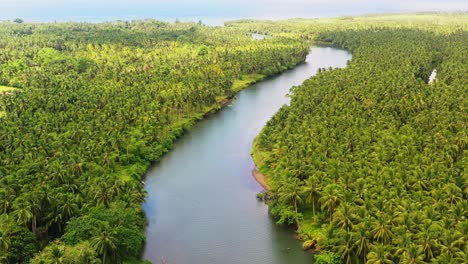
(382, 231)
(105, 243)
(347, 247)
(291, 192)
(343, 217)
(57, 254)
(379, 254)
(5, 242)
(329, 198)
(412, 255)
(22, 212)
(363, 239)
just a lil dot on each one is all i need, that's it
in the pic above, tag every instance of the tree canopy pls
(378, 152)
(85, 109)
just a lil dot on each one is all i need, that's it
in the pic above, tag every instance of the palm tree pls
(347, 247)
(68, 207)
(445, 258)
(57, 254)
(291, 192)
(310, 189)
(451, 241)
(103, 195)
(4, 242)
(412, 255)
(5, 204)
(379, 254)
(35, 199)
(343, 216)
(105, 243)
(23, 213)
(427, 237)
(382, 231)
(461, 256)
(363, 243)
(329, 198)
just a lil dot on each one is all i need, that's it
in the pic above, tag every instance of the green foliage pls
(372, 151)
(285, 214)
(308, 244)
(98, 104)
(17, 243)
(378, 153)
(327, 258)
(261, 196)
(125, 228)
(201, 51)
(58, 252)
(47, 55)
(245, 81)
(309, 231)
(5, 89)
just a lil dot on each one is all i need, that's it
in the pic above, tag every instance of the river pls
(201, 205)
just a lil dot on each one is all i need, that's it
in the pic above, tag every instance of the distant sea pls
(210, 12)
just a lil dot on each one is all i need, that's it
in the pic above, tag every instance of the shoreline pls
(260, 178)
(185, 125)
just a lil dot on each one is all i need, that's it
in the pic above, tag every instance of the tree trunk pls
(313, 204)
(33, 225)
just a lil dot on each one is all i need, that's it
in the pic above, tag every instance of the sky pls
(101, 10)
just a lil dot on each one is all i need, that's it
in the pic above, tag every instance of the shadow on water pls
(201, 204)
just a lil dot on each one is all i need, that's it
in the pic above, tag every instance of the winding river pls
(201, 204)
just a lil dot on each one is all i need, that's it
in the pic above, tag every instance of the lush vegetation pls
(369, 161)
(93, 106)
(310, 29)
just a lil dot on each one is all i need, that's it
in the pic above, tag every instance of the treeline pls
(369, 161)
(97, 103)
(310, 29)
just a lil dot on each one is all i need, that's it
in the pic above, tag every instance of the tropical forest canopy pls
(87, 107)
(369, 161)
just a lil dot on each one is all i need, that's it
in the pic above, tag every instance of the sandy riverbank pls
(260, 178)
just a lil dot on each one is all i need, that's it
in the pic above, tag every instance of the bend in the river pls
(201, 204)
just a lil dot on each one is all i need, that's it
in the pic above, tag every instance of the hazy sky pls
(95, 10)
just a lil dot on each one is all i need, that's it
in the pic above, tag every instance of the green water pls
(201, 204)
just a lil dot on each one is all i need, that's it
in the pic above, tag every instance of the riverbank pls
(214, 153)
(306, 225)
(306, 230)
(237, 86)
(261, 179)
(184, 125)
(179, 128)
(260, 171)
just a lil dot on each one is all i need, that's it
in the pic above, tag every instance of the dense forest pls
(84, 110)
(369, 161)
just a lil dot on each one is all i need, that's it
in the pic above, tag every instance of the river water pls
(201, 205)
